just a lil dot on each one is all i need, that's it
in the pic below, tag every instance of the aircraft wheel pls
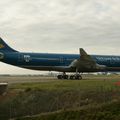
(65, 76)
(60, 77)
(71, 77)
(78, 77)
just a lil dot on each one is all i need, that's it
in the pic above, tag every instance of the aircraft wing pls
(86, 63)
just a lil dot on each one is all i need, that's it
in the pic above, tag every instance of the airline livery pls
(77, 63)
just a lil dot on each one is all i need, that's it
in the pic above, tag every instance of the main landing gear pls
(75, 77)
(71, 77)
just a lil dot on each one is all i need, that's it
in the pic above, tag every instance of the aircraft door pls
(27, 58)
(24, 58)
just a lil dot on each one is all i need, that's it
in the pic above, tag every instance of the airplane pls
(72, 63)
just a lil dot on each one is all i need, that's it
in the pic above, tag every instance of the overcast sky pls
(60, 26)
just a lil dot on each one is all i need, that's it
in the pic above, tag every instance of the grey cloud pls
(61, 25)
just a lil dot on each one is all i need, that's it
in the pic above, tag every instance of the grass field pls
(95, 97)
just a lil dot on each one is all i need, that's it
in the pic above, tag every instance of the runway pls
(25, 79)
(34, 79)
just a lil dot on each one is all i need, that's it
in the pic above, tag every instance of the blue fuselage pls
(56, 62)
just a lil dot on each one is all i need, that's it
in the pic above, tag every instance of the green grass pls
(108, 111)
(69, 85)
(70, 97)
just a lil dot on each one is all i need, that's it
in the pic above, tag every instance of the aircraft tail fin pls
(5, 47)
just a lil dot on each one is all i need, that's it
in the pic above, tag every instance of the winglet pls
(82, 52)
(86, 57)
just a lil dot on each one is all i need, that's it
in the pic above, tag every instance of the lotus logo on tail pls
(1, 46)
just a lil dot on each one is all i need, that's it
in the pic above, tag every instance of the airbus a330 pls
(65, 63)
